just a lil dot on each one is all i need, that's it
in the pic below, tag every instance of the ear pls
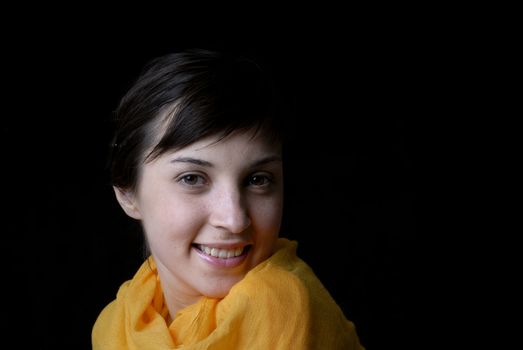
(128, 202)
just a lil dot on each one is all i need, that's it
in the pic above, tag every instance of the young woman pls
(197, 158)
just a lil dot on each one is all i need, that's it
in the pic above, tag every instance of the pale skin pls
(211, 212)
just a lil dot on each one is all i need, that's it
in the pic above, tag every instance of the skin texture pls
(223, 194)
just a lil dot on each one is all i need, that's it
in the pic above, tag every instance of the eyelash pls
(267, 180)
(201, 181)
(185, 180)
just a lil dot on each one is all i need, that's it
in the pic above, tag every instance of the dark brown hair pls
(183, 97)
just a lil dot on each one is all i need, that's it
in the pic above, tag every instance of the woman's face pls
(211, 212)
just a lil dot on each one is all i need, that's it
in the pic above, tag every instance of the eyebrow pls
(192, 161)
(201, 162)
(266, 160)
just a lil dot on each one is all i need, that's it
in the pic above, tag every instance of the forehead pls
(238, 145)
(247, 139)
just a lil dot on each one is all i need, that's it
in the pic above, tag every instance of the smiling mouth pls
(222, 253)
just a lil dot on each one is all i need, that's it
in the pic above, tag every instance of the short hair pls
(182, 97)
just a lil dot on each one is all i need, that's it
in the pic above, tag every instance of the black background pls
(360, 99)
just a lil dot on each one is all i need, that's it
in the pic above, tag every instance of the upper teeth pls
(221, 253)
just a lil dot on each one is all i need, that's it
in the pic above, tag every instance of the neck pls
(174, 299)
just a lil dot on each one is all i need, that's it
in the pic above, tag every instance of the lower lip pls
(230, 262)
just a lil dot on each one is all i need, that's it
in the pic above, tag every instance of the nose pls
(229, 211)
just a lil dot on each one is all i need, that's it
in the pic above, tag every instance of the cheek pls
(172, 222)
(267, 215)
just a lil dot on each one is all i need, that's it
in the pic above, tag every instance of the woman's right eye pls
(192, 180)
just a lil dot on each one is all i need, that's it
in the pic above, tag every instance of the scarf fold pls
(280, 304)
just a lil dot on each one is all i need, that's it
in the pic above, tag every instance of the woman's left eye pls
(259, 180)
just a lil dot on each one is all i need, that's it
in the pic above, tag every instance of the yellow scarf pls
(280, 304)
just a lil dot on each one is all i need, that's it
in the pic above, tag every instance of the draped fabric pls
(280, 304)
